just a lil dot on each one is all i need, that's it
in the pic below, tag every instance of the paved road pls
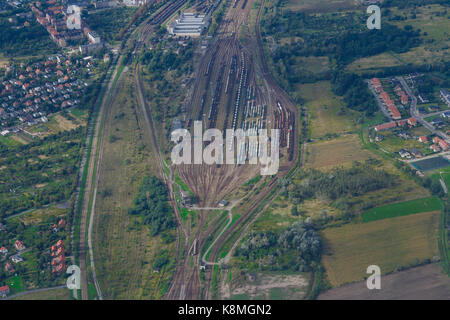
(417, 115)
(32, 291)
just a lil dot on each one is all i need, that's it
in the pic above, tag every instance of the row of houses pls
(393, 124)
(57, 253)
(437, 145)
(385, 98)
(29, 93)
(54, 20)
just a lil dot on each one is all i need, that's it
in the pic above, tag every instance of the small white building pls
(94, 37)
(16, 258)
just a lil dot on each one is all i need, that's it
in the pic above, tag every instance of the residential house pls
(412, 121)
(9, 268)
(416, 153)
(386, 126)
(423, 139)
(4, 291)
(16, 258)
(3, 250)
(445, 96)
(19, 245)
(435, 148)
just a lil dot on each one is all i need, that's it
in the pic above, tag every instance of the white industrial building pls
(189, 24)
(94, 37)
(134, 3)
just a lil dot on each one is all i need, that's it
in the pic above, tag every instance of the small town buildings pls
(19, 245)
(3, 250)
(186, 198)
(402, 123)
(435, 148)
(412, 121)
(437, 122)
(445, 96)
(404, 99)
(423, 139)
(4, 291)
(16, 258)
(94, 37)
(416, 153)
(9, 268)
(446, 114)
(223, 203)
(404, 154)
(386, 126)
(442, 144)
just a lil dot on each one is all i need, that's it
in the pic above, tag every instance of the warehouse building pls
(189, 24)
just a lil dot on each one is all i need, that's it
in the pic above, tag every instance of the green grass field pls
(403, 209)
(327, 114)
(54, 294)
(392, 244)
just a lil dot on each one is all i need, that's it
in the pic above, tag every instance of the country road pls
(414, 113)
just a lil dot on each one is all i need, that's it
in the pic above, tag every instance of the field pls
(390, 244)
(124, 251)
(403, 209)
(425, 282)
(435, 34)
(344, 149)
(39, 215)
(326, 112)
(54, 294)
(274, 286)
(320, 5)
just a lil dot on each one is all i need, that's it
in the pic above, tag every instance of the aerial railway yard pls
(231, 90)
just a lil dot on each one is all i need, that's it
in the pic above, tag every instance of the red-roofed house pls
(412, 121)
(423, 139)
(385, 126)
(402, 123)
(9, 267)
(4, 291)
(435, 147)
(404, 99)
(19, 245)
(444, 145)
(3, 250)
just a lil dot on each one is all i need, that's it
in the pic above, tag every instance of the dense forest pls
(109, 23)
(152, 203)
(296, 248)
(158, 62)
(25, 41)
(341, 182)
(342, 37)
(355, 92)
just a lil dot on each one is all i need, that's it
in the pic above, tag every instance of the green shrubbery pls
(296, 248)
(152, 203)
